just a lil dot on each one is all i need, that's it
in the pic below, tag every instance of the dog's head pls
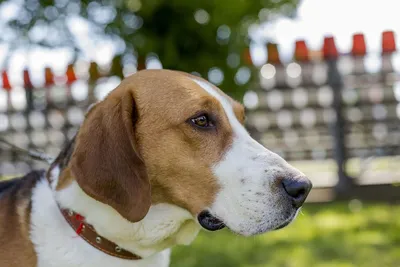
(170, 137)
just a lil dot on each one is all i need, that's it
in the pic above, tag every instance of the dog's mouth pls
(288, 221)
(283, 225)
(210, 222)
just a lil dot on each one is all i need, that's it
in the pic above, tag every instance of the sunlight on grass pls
(327, 235)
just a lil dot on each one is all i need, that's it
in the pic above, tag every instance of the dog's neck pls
(164, 226)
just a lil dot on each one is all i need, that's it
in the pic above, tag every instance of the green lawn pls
(328, 235)
(323, 235)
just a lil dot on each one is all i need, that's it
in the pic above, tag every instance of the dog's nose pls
(297, 189)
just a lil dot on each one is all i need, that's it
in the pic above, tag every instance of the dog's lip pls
(282, 225)
(285, 223)
(209, 221)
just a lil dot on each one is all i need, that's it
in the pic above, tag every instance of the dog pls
(162, 156)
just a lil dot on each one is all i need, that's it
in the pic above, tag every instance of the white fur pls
(250, 201)
(57, 245)
(54, 173)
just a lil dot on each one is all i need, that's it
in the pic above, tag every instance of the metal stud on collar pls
(78, 224)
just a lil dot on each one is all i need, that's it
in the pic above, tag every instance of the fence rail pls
(328, 108)
(322, 106)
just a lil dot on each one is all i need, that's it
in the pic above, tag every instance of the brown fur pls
(106, 163)
(143, 123)
(16, 248)
(138, 139)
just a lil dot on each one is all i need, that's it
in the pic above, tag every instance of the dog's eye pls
(202, 121)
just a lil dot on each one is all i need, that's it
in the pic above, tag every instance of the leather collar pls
(89, 234)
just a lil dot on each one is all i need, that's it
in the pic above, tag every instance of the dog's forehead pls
(165, 86)
(164, 82)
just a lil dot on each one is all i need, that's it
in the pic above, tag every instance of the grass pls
(324, 235)
(327, 235)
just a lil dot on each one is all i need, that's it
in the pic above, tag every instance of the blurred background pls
(319, 80)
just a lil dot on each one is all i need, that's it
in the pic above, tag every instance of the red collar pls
(89, 234)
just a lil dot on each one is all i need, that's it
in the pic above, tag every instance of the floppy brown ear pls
(106, 163)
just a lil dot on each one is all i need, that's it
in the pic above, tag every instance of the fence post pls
(335, 81)
(28, 87)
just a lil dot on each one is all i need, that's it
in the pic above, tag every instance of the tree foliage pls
(193, 36)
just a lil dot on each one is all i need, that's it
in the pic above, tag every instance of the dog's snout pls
(297, 189)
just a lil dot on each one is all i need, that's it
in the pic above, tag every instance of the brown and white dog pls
(163, 155)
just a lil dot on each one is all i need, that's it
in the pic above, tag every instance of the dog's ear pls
(106, 161)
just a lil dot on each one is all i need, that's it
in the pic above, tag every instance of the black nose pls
(297, 189)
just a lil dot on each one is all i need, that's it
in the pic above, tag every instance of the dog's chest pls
(57, 245)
